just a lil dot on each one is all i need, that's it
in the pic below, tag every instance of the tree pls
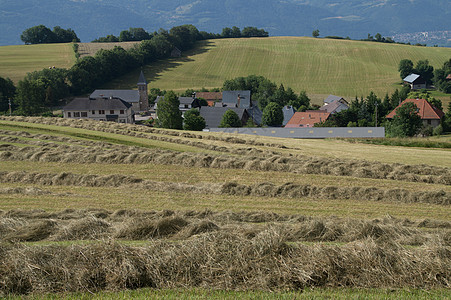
(168, 113)
(65, 35)
(315, 33)
(272, 115)
(193, 120)
(38, 35)
(230, 119)
(405, 68)
(406, 122)
(425, 70)
(7, 91)
(31, 96)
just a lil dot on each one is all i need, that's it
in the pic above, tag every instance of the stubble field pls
(89, 207)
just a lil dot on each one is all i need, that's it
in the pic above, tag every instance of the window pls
(186, 106)
(111, 112)
(84, 114)
(93, 112)
(429, 122)
(76, 114)
(101, 112)
(122, 112)
(69, 115)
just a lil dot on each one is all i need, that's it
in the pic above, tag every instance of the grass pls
(17, 61)
(197, 294)
(90, 49)
(407, 142)
(54, 187)
(74, 197)
(319, 66)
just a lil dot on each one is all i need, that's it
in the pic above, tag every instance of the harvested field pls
(175, 209)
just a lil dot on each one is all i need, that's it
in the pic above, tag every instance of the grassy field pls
(319, 66)
(105, 208)
(17, 61)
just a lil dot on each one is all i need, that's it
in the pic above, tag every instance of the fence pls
(309, 133)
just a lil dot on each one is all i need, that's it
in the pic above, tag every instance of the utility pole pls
(376, 113)
(9, 103)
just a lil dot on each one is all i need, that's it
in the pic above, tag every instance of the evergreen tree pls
(168, 112)
(272, 115)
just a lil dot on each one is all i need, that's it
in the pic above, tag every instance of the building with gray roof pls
(213, 115)
(100, 109)
(239, 99)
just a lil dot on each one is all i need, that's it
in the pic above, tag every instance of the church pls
(137, 98)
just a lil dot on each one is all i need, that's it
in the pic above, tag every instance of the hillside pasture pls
(90, 49)
(90, 206)
(318, 66)
(17, 61)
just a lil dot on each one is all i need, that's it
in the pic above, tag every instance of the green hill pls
(17, 61)
(319, 66)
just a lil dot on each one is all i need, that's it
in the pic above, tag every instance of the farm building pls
(100, 109)
(307, 119)
(137, 98)
(415, 81)
(429, 114)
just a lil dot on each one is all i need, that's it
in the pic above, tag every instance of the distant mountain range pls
(91, 19)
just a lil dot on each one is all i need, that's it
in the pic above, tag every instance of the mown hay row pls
(298, 164)
(129, 129)
(221, 261)
(20, 226)
(265, 189)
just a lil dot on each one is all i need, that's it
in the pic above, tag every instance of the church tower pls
(142, 90)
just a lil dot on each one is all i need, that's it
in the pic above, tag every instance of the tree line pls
(139, 34)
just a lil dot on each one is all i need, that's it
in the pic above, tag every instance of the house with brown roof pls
(210, 97)
(429, 114)
(307, 119)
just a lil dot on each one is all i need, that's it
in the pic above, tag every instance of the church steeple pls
(142, 89)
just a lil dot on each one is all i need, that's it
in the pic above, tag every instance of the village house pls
(288, 113)
(213, 115)
(137, 98)
(429, 114)
(307, 119)
(334, 104)
(210, 97)
(100, 109)
(186, 103)
(415, 81)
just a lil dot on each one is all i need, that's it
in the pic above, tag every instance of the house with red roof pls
(428, 113)
(307, 118)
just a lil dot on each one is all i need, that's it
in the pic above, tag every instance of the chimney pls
(238, 101)
(194, 95)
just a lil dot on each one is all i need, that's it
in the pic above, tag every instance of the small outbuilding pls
(415, 81)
